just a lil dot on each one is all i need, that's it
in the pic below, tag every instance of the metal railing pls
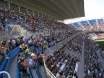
(47, 71)
(6, 35)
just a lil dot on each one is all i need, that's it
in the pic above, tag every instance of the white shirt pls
(33, 55)
(29, 41)
(20, 46)
(13, 41)
(30, 62)
(57, 75)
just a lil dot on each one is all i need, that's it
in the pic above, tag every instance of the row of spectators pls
(40, 41)
(33, 23)
(62, 64)
(8, 45)
(4, 29)
(46, 41)
(74, 45)
(26, 61)
(92, 65)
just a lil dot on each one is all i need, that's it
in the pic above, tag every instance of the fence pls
(5, 35)
(47, 71)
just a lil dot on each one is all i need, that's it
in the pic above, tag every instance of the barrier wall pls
(47, 71)
(6, 35)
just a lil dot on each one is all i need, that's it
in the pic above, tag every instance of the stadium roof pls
(59, 9)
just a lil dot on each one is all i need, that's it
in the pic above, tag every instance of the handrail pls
(4, 72)
(48, 72)
(9, 34)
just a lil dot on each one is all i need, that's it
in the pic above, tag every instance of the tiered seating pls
(33, 23)
(92, 22)
(92, 65)
(6, 62)
(61, 64)
(75, 44)
(76, 24)
(101, 24)
(85, 23)
(18, 73)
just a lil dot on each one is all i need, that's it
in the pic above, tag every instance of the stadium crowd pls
(75, 44)
(46, 41)
(33, 23)
(92, 65)
(62, 64)
(30, 21)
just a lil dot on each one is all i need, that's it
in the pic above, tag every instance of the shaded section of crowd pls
(62, 64)
(92, 65)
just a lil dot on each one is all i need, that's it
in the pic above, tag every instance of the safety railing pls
(5, 35)
(49, 74)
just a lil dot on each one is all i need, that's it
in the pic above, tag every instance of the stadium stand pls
(64, 53)
(93, 67)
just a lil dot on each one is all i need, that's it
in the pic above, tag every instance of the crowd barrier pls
(47, 71)
(6, 35)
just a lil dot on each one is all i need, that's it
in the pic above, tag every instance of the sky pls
(92, 8)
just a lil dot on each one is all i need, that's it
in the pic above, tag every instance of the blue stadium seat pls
(84, 23)
(76, 24)
(17, 70)
(13, 54)
(92, 21)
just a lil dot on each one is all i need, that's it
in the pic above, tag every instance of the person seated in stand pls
(34, 55)
(13, 42)
(32, 63)
(30, 42)
(4, 51)
(44, 47)
(1, 54)
(27, 51)
(23, 65)
(19, 58)
(40, 58)
(22, 47)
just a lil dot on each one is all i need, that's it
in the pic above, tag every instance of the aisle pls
(42, 71)
(34, 73)
(81, 64)
(100, 57)
(12, 67)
